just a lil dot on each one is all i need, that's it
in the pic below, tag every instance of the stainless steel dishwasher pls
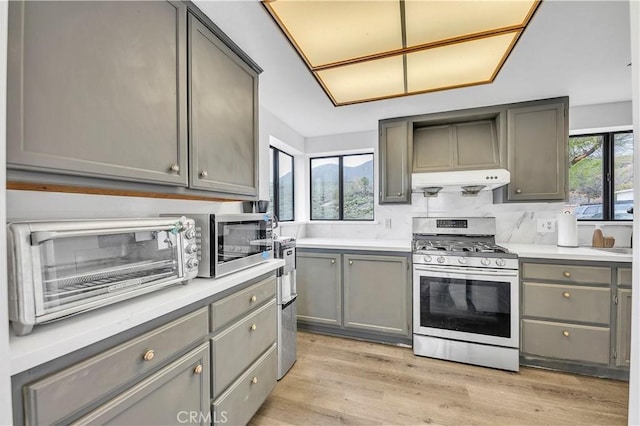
(285, 248)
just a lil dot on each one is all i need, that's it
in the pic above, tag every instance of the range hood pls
(467, 182)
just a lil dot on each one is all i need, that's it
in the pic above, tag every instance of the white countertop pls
(49, 341)
(548, 251)
(354, 244)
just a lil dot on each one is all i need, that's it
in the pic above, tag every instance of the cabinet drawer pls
(566, 341)
(225, 310)
(566, 273)
(52, 399)
(241, 401)
(567, 302)
(235, 348)
(166, 397)
(624, 276)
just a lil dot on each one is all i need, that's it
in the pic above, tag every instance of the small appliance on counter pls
(285, 248)
(61, 268)
(567, 228)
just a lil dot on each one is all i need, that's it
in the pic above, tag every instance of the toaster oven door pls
(77, 270)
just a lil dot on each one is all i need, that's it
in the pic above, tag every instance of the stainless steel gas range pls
(465, 293)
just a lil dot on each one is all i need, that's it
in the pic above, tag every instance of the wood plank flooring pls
(344, 381)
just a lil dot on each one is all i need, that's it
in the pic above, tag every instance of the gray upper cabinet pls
(98, 89)
(459, 146)
(223, 97)
(394, 153)
(537, 143)
(376, 293)
(319, 286)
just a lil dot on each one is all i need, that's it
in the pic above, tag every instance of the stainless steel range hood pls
(467, 182)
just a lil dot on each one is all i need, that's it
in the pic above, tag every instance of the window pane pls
(622, 175)
(324, 188)
(271, 180)
(586, 175)
(285, 187)
(358, 187)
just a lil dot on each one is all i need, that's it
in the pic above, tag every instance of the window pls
(601, 175)
(281, 185)
(342, 187)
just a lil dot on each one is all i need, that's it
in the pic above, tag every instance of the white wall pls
(6, 417)
(592, 118)
(634, 376)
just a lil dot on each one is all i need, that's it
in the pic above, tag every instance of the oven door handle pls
(470, 271)
(39, 237)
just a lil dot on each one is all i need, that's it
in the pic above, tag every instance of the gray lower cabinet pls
(98, 89)
(223, 107)
(178, 393)
(537, 144)
(67, 394)
(376, 297)
(319, 286)
(575, 317)
(243, 352)
(394, 151)
(360, 294)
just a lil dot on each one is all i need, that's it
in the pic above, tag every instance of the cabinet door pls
(395, 153)
(170, 396)
(376, 293)
(223, 105)
(433, 149)
(476, 145)
(537, 143)
(98, 89)
(319, 285)
(623, 323)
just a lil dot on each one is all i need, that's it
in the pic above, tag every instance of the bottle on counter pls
(598, 238)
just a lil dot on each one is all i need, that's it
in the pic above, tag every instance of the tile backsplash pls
(515, 222)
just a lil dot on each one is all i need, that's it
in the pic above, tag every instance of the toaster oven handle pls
(39, 237)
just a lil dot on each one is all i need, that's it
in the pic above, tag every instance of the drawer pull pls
(565, 333)
(566, 294)
(253, 327)
(148, 355)
(198, 369)
(253, 298)
(567, 274)
(254, 380)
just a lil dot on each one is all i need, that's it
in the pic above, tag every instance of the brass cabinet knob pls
(198, 369)
(518, 191)
(253, 298)
(253, 327)
(333, 261)
(204, 174)
(254, 380)
(399, 194)
(351, 262)
(567, 274)
(174, 168)
(566, 294)
(149, 355)
(565, 333)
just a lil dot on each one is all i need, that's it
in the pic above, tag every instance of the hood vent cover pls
(466, 182)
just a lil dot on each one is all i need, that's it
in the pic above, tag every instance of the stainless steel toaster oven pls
(61, 268)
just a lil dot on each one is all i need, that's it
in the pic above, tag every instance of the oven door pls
(466, 304)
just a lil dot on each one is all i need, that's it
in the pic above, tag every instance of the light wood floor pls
(343, 381)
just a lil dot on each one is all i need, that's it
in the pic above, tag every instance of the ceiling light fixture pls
(366, 50)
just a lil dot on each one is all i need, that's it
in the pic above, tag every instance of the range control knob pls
(190, 233)
(440, 259)
(192, 263)
(427, 259)
(485, 261)
(500, 262)
(462, 260)
(191, 248)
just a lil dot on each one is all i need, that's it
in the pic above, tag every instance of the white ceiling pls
(575, 48)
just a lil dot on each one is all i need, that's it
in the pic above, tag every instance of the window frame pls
(608, 174)
(340, 158)
(276, 184)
